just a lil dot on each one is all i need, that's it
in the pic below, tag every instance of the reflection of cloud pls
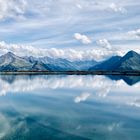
(113, 126)
(24, 84)
(78, 127)
(4, 126)
(103, 91)
(82, 97)
(135, 103)
(101, 85)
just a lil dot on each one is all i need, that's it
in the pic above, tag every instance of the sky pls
(72, 29)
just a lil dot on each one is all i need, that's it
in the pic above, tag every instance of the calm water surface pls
(69, 108)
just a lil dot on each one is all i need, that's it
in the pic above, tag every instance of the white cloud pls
(134, 34)
(79, 6)
(104, 43)
(82, 97)
(12, 9)
(71, 54)
(117, 8)
(83, 38)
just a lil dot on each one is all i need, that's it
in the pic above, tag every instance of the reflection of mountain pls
(27, 83)
(130, 80)
(47, 117)
(32, 128)
(8, 78)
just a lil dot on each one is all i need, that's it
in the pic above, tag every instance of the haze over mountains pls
(11, 62)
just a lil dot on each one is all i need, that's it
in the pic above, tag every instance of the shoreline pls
(129, 73)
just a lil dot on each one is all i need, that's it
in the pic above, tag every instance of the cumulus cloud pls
(104, 43)
(71, 54)
(117, 8)
(134, 34)
(12, 9)
(82, 97)
(83, 38)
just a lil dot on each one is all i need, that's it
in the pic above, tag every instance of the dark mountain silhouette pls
(129, 62)
(107, 64)
(130, 80)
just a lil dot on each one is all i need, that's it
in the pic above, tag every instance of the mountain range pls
(12, 62)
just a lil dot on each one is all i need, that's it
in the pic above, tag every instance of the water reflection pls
(130, 80)
(82, 97)
(69, 107)
(14, 83)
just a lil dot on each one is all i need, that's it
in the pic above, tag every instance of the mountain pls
(39, 66)
(11, 62)
(60, 64)
(84, 65)
(57, 64)
(130, 61)
(107, 64)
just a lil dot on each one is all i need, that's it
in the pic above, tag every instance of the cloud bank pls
(70, 54)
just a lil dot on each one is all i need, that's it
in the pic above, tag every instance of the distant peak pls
(10, 53)
(132, 52)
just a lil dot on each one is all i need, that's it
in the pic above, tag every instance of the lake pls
(69, 107)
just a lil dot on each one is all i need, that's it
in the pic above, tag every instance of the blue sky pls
(73, 29)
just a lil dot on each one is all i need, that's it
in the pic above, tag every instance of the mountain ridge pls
(11, 62)
(129, 62)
